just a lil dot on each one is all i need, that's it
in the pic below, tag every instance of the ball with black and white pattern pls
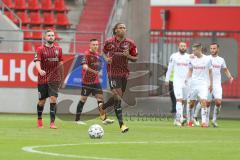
(95, 131)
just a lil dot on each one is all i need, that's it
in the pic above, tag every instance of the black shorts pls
(48, 90)
(118, 82)
(87, 89)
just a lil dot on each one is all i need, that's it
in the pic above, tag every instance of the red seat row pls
(35, 18)
(35, 33)
(31, 46)
(45, 5)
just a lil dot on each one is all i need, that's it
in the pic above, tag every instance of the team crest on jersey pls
(125, 46)
(110, 46)
(56, 52)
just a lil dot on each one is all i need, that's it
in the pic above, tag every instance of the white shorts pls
(181, 91)
(198, 92)
(216, 93)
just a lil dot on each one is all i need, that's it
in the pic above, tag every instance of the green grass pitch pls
(146, 140)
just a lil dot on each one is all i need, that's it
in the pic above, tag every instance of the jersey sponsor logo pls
(199, 67)
(56, 59)
(182, 64)
(216, 66)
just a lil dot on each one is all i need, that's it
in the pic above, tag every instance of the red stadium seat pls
(62, 20)
(20, 4)
(28, 47)
(48, 18)
(9, 3)
(60, 6)
(36, 18)
(11, 17)
(27, 34)
(37, 32)
(37, 44)
(47, 5)
(24, 17)
(33, 5)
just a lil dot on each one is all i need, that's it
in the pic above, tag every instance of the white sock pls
(179, 113)
(192, 114)
(215, 113)
(189, 113)
(197, 109)
(204, 115)
(208, 114)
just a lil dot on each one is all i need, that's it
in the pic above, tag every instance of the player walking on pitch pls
(50, 75)
(200, 72)
(178, 63)
(117, 51)
(91, 83)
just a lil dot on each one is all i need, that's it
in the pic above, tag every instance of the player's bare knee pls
(208, 104)
(203, 103)
(218, 103)
(180, 101)
(83, 98)
(191, 104)
(53, 99)
(42, 102)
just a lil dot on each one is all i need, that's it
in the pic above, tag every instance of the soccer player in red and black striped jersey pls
(90, 82)
(118, 50)
(50, 75)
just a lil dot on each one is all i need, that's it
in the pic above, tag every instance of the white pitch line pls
(32, 149)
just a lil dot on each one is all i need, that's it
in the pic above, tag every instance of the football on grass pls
(95, 131)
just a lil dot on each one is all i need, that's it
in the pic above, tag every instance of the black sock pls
(79, 110)
(109, 103)
(53, 108)
(39, 111)
(118, 112)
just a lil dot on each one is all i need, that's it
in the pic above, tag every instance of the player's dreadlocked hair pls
(115, 27)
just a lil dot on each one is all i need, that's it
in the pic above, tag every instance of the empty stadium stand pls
(94, 19)
(36, 15)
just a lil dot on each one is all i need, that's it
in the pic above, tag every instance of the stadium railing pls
(165, 42)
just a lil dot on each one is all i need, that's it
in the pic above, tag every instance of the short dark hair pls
(115, 27)
(215, 43)
(197, 45)
(93, 39)
(49, 30)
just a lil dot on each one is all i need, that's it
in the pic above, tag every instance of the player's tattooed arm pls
(106, 58)
(39, 69)
(85, 67)
(61, 69)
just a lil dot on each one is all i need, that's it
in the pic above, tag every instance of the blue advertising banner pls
(74, 78)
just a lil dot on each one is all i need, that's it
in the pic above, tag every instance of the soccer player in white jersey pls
(200, 72)
(178, 63)
(218, 63)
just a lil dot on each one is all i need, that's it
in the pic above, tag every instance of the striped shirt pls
(114, 49)
(49, 58)
(93, 62)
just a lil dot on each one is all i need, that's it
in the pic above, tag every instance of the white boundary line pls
(33, 149)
